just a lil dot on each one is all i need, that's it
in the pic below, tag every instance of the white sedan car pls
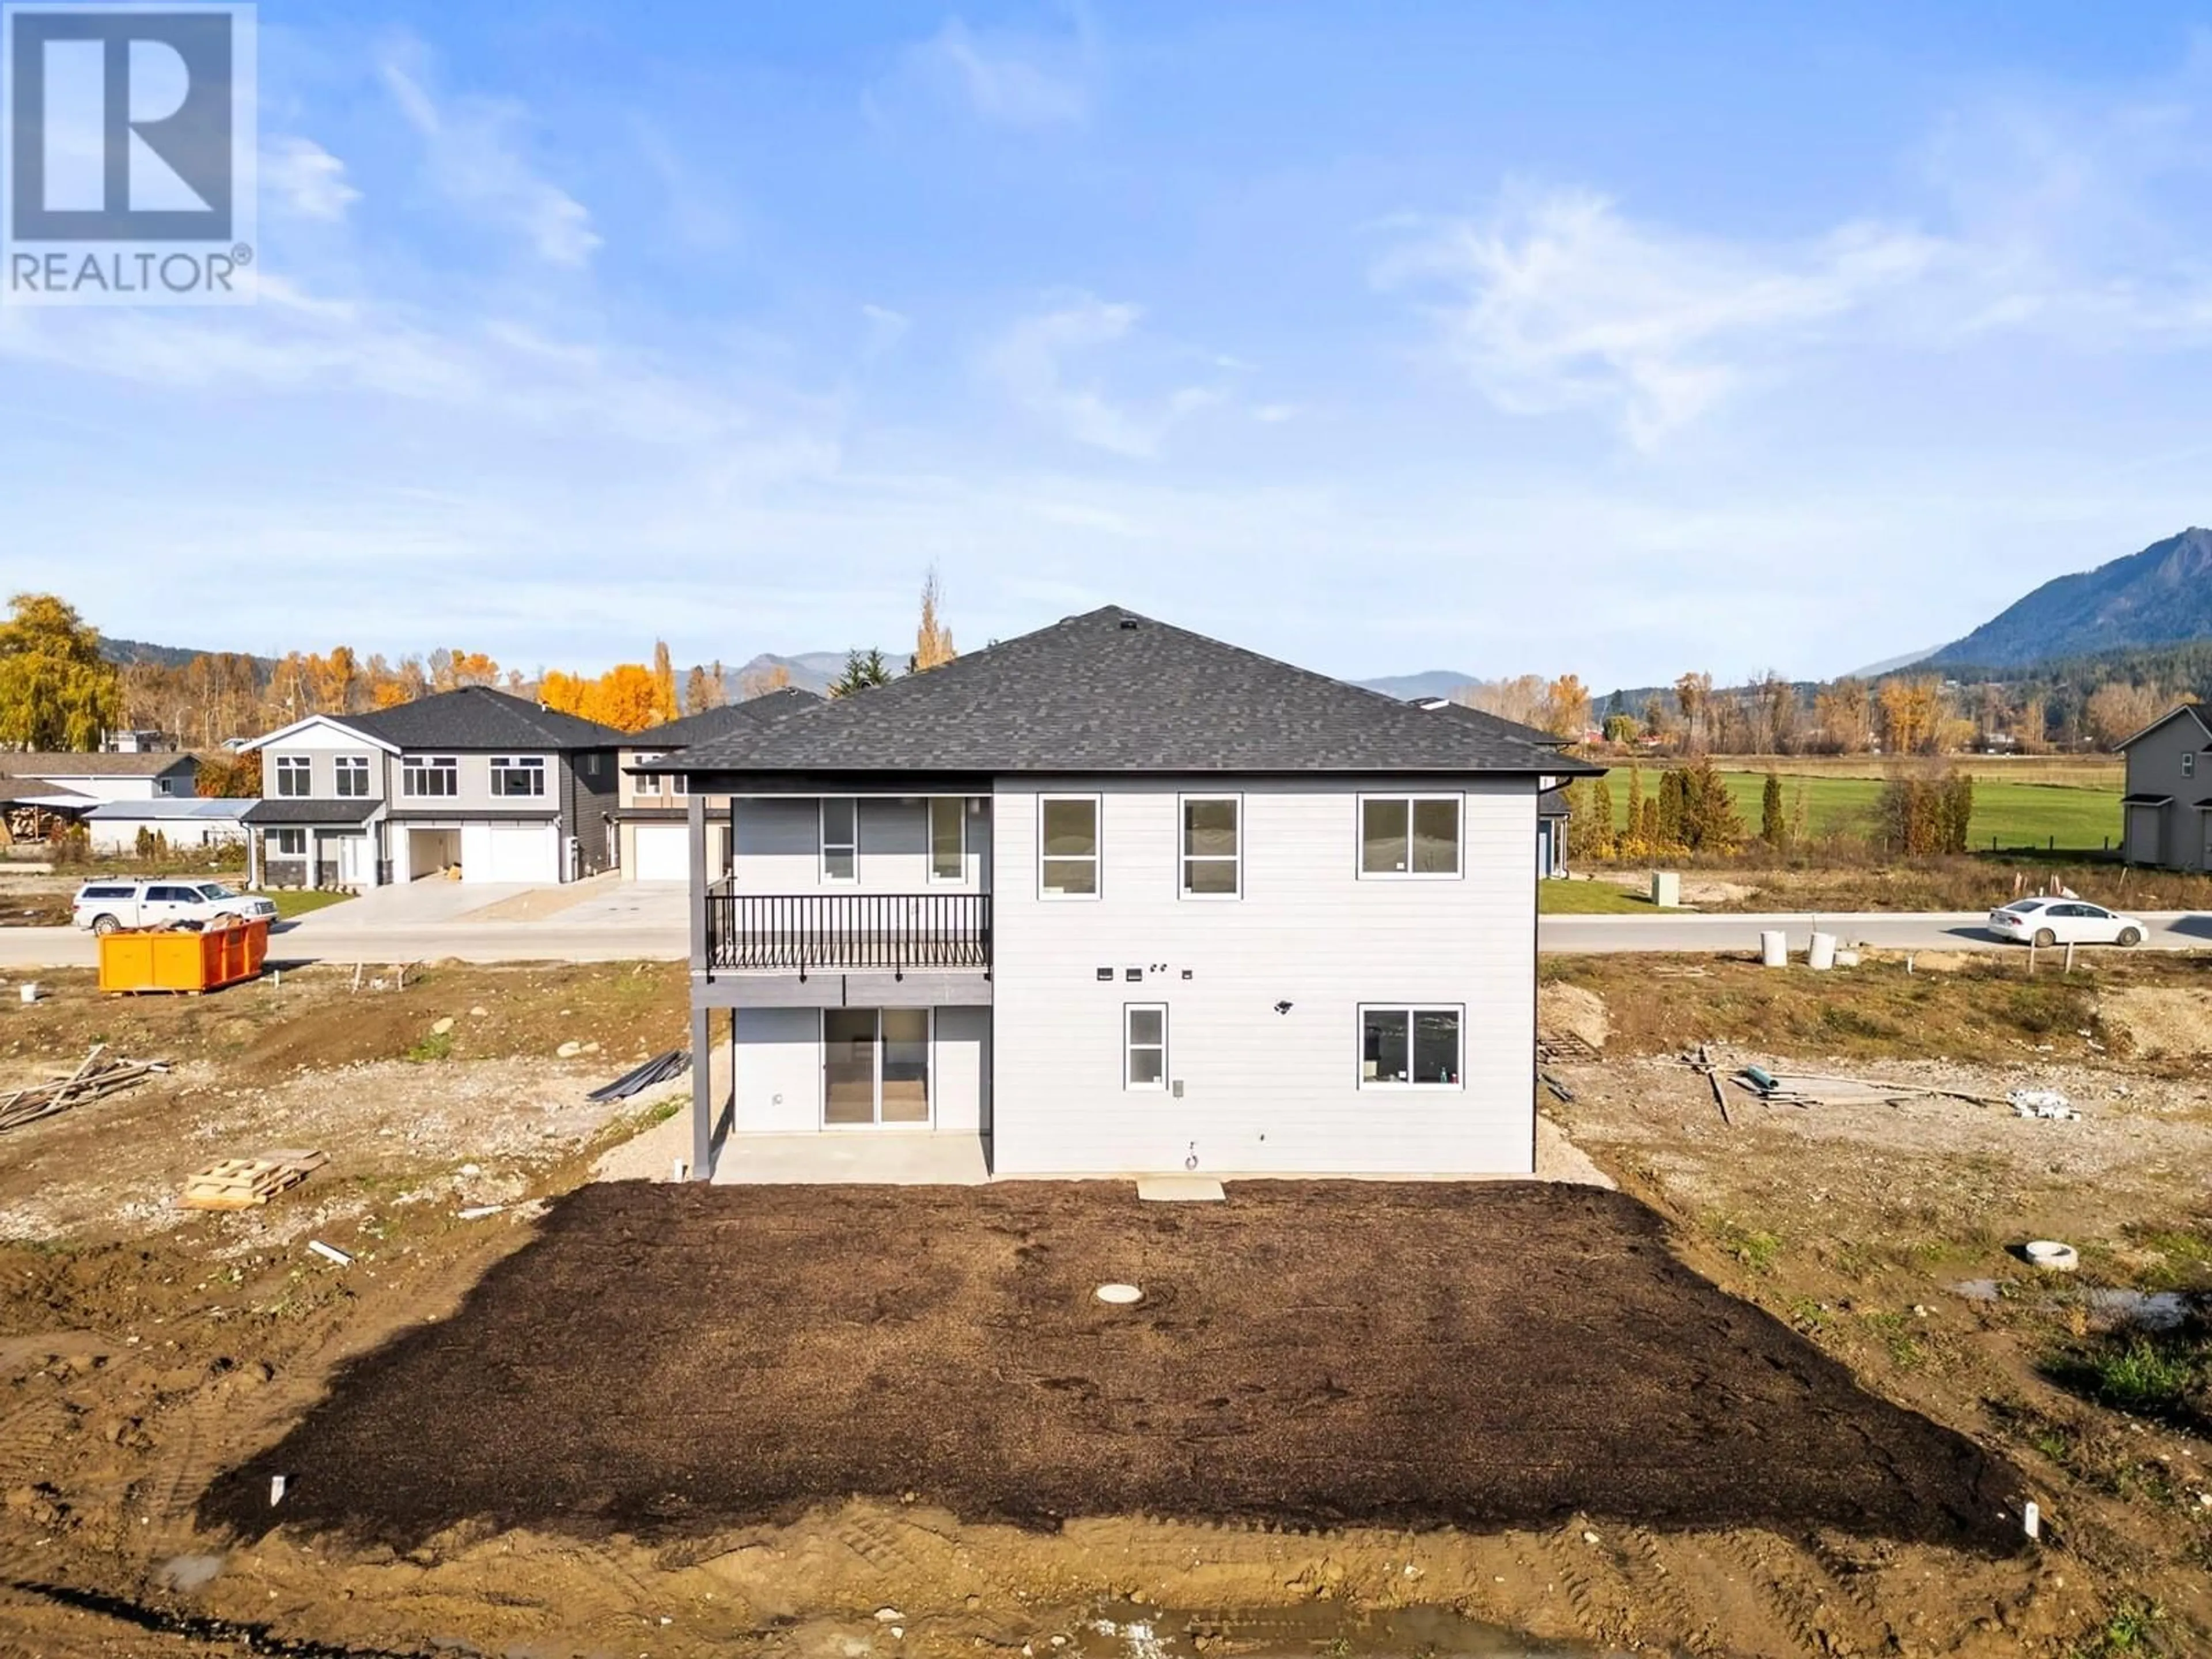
(2064, 921)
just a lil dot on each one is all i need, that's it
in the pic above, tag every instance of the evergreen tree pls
(1673, 815)
(1773, 828)
(1634, 834)
(863, 669)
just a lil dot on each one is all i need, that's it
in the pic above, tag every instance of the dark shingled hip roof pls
(1113, 691)
(281, 810)
(711, 723)
(477, 717)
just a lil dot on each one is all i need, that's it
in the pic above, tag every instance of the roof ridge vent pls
(1128, 625)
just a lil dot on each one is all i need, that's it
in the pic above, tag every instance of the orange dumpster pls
(207, 960)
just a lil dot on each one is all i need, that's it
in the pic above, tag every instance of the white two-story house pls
(473, 784)
(1116, 898)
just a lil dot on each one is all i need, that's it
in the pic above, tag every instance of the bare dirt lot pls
(601, 1378)
(144, 1351)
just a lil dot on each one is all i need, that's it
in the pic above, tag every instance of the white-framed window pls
(288, 843)
(660, 783)
(840, 838)
(1409, 836)
(1403, 1046)
(518, 774)
(1145, 1046)
(1067, 846)
(948, 837)
(1212, 861)
(2189, 763)
(429, 776)
(353, 776)
(295, 775)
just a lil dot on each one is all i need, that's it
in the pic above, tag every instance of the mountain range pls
(2160, 596)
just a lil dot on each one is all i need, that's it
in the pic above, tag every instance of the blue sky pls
(1617, 338)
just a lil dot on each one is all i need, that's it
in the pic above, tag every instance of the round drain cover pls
(1119, 1295)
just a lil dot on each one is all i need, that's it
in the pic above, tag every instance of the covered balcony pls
(806, 933)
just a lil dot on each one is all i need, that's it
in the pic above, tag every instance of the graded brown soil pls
(661, 1361)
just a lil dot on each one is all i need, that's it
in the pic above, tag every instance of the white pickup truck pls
(108, 907)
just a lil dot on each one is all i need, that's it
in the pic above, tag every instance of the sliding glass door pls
(875, 1067)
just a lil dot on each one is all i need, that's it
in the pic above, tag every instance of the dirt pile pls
(1571, 1012)
(2160, 1023)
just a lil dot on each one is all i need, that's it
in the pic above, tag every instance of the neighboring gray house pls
(1116, 898)
(473, 783)
(104, 776)
(653, 844)
(2167, 808)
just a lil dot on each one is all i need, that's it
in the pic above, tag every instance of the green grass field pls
(1589, 898)
(298, 903)
(2017, 814)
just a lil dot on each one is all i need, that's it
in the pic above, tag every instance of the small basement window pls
(1145, 1045)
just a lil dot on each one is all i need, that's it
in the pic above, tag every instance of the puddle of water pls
(1123, 1630)
(2148, 1310)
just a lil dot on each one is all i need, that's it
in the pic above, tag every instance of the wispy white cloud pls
(2050, 213)
(306, 179)
(1560, 301)
(1032, 363)
(886, 329)
(1013, 80)
(475, 157)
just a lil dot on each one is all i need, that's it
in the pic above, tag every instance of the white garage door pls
(517, 851)
(664, 853)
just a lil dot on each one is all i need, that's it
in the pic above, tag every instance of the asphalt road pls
(328, 936)
(1935, 930)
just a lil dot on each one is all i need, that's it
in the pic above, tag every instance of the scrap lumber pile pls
(241, 1183)
(95, 1079)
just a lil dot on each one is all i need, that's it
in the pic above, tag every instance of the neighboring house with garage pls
(653, 844)
(100, 777)
(475, 785)
(1115, 898)
(2167, 809)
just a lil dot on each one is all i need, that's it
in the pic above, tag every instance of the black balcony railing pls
(892, 932)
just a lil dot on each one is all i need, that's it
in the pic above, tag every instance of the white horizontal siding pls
(777, 1070)
(778, 848)
(1264, 1092)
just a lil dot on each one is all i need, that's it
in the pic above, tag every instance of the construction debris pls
(2043, 1103)
(661, 1069)
(329, 1253)
(242, 1183)
(94, 1079)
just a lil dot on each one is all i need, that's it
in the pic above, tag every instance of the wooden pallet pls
(241, 1183)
